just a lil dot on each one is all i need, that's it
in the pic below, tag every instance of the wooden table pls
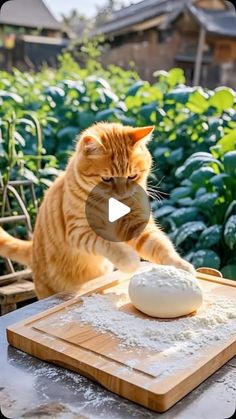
(32, 388)
(18, 289)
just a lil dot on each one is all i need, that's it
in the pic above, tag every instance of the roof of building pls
(140, 12)
(28, 13)
(222, 22)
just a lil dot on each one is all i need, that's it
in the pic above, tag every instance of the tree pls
(105, 11)
(76, 23)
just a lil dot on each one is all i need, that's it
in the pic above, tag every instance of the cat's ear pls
(141, 134)
(92, 145)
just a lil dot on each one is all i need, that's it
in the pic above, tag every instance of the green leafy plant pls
(202, 212)
(193, 147)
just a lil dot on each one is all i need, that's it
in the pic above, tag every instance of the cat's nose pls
(120, 187)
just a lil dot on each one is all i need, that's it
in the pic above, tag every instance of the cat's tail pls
(18, 250)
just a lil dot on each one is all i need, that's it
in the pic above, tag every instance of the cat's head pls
(109, 150)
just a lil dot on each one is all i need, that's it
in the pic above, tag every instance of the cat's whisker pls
(151, 188)
(156, 194)
(149, 182)
(155, 197)
(156, 190)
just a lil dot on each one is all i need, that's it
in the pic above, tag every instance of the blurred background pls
(151, 34)
(65, 65)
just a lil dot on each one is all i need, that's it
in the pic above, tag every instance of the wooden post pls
(198, 60)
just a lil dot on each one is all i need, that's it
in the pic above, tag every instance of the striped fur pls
(65, 252)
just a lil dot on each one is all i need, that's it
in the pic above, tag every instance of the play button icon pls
(116, 210)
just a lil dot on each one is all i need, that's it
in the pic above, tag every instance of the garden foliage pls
(194, 144)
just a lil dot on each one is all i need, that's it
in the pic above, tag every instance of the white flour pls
(179, 340)
(216, 320)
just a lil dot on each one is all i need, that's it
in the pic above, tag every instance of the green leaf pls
(160, 73)
(175, 156)
(202, 175)
(222, 99)
(49, 171)
(201, 191)
(13, 96)
(206, 202)
(188, 230)
(86, 118)
(194, 163)
(231, 209)
(26, 121)
(18, 137)
(175, 76)
(180, 94)
(56, 93)
(186, 202)
(189, 256)
(99, 81)
(163, 211)
(78, 86)
(229, 271)
(206, 258)
(186, 182)
(230, 232)
(68, 133)
(106, 114)
(160, 151)
(126, 120)
(28, 174)
(181, 192)
(228, 142)
(210, 237)
(46, 182)
(159, 204)
(202, 154)
(135, 87)
(219, 181)
(230, 162)
(146, 110)
(107, 96)
(2, 151)
(179, 173)
(198, 102)
(160, 115)
(183, 215)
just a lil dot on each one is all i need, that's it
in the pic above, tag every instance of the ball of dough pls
(165, 292)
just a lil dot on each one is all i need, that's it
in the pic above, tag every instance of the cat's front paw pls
(180, 263)
(132, 264)
(128, 262)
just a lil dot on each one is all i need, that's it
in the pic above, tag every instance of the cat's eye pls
(107, 179)
(133, 177)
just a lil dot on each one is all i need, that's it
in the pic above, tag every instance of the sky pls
(87, 7)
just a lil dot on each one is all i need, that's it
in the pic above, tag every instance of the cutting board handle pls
(210, 271)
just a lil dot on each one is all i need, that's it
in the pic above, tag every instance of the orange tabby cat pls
(65, 252)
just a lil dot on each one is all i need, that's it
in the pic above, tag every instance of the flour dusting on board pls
(180, 341)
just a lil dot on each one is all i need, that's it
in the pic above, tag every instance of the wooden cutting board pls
(99, 356)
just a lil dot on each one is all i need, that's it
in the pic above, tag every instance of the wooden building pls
(160, 34)
(29, 35)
